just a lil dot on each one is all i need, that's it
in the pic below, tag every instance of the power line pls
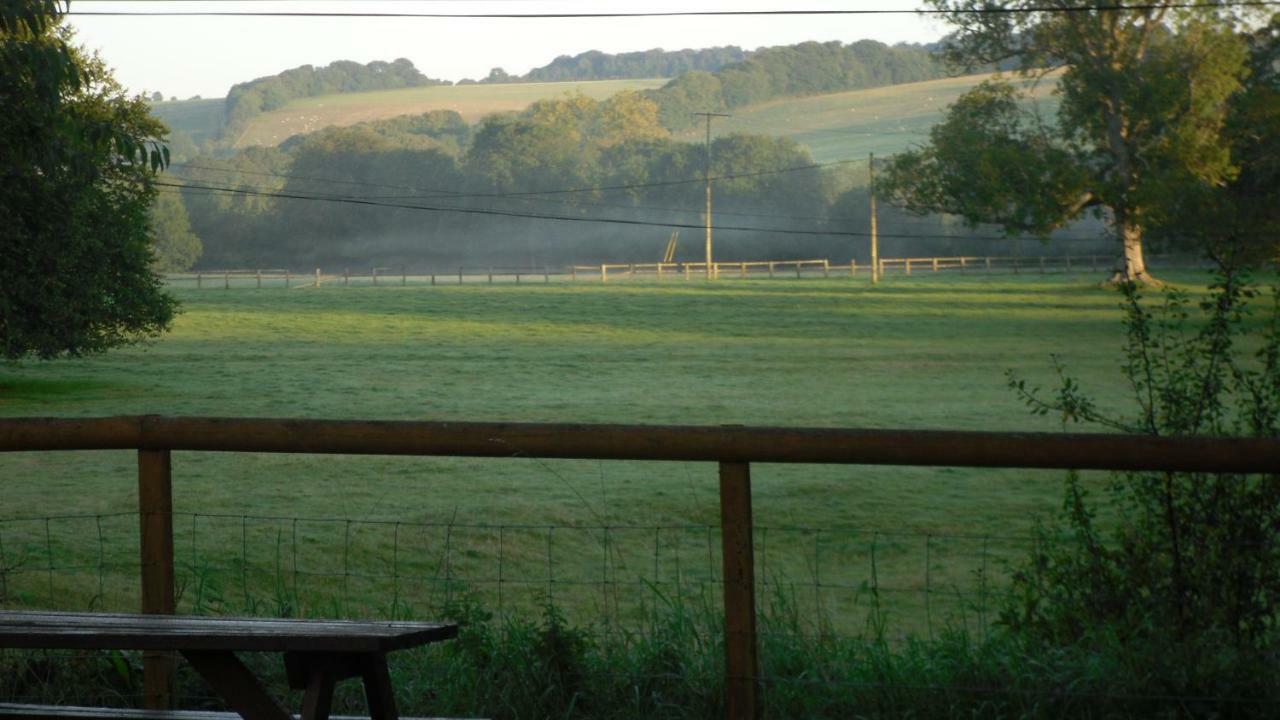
(214, 189)
(561, 191)
(994, 10)
(650, 208)
(494, 212)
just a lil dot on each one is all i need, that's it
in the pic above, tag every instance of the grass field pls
(848, 125)
(471, 101)
(390, 533)
(201, 119)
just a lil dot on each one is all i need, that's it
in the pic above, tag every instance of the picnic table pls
(317, 653)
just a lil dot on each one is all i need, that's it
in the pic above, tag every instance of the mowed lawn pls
(924, 352)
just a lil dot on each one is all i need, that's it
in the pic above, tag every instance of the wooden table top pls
(103, 631)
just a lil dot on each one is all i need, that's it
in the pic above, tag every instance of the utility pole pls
(706, 176)
(875, 238)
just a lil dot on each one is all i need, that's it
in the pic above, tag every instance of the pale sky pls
(206, 55)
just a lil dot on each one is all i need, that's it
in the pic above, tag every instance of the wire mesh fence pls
(605, 575)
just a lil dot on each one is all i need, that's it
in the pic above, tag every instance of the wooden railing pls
(733, 447)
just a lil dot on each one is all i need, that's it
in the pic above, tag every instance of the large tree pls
(77, 159)
(1144, 95)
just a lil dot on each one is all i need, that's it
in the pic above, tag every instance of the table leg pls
(377, 689)
(318, 700)
(232, 680)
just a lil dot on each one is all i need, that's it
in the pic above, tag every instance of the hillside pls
(201, 119)
(471, 101)
(840, 126)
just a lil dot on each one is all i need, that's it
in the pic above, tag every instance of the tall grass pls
(545, 667)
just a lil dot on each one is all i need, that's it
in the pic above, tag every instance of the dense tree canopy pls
(656, 63)
(1141, 126)
(76, 164)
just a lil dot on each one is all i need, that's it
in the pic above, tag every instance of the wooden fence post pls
(404, 275)
(737, 552)
(908, 263)
(797, 270)
(226, 280)
(287, 277)
(742, 270)
(935, 264)
(375, 276)
(604, 273)
(826, 268)
(199, 281)
(686, 272)
(853, 268)
(459, 275)
(770, 269)
(317, 284)
(988, 264)
(155, 517)
(433, 279)
(962, 261)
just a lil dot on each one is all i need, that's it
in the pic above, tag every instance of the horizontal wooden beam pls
(646, 442)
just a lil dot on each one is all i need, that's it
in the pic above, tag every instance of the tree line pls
(655, 63)
(432, 191)
(249, 99)
(809, 68)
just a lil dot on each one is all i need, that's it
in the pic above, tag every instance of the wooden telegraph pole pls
(875, 239)
(706, 176)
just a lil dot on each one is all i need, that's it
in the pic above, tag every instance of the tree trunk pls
(1135, 266)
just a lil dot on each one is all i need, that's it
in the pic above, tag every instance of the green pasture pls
(361, 535)
(201, 119)
(884, 120)
(471, 101)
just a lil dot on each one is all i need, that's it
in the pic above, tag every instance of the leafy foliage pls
(176, 246)
(1145, 97)
(805, 69)
(1178, 574)
(76, 161)
(655, 63)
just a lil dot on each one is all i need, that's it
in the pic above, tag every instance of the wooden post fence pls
(732, 447)
(741, 667)
(155, 517)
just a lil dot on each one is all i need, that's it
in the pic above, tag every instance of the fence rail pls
(613, 272)
(733, 447)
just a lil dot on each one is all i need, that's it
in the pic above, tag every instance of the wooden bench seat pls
(17, 711)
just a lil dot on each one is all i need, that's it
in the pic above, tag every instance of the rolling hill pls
(471, 101)
(848, 125)
(201, 119)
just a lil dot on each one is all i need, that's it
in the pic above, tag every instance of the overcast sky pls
(206, 55)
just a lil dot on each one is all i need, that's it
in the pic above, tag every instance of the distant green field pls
(471, 101)
(201, 119)
(375, 533)
(849, 125)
